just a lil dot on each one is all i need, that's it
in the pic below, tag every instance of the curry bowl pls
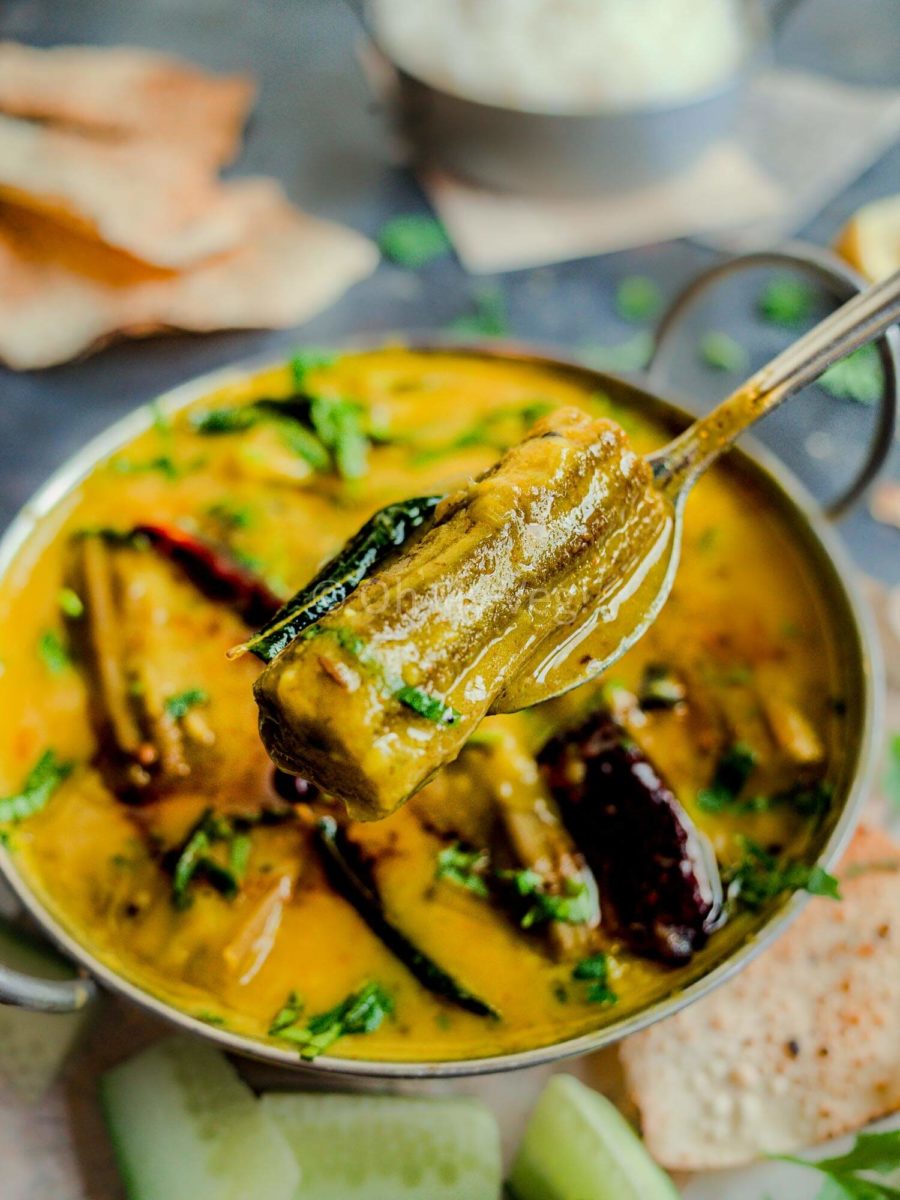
(185, 874)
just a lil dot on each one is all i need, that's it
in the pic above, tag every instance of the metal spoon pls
(678, 466)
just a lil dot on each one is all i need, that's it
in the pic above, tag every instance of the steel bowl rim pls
(772, 473)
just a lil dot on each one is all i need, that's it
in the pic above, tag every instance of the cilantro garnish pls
(721, 352)
(195, 859)
(630, 355)
(465, 868)
(361, 1012)
(595, 971)
(180, 704)
(413, 239)
(41, 782)
(53, 652)
(488, 319)
(732, 772)
(70, 603)
(638, 299)
(892, 778)
(338, 424)
(489, 431)
(229, 515)
(786, 301)
(857, 377)
(760, 877)
(431, 707)
(574, 906)
(310, 359)
(849, 1176)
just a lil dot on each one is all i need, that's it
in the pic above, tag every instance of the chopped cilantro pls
(338, 423)
(431, 707)
(638, 299)
(732, 772)
(227, 420)
(194, 860)
(413, 239)
(361, 1012)
(786, 301)
(465, 868)
(595, 971)
(239, 855)
(310, 359)
(181, 703)
(41, 782)
(229, 515)
(288, 1015)
(53, 652)
(573, 907)
(760, 877)
(630, 355)
(721, 352)
(70, 603)
(488, 431)
(304, 444)
(892, 778)
(488, 318)
(857, 377)
(849, 1176)
(163, 463)
(209, 1018)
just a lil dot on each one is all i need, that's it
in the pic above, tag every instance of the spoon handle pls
(677, 466)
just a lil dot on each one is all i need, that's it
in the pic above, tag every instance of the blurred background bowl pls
(611, 148)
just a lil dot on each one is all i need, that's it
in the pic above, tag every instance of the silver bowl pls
(566, 154)
(855, 646)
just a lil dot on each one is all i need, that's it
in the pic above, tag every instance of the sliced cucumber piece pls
(390, 1147)
(578, 1146)
(34, 1045)
(185, 1127)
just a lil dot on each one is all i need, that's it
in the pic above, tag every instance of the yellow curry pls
(577, 861)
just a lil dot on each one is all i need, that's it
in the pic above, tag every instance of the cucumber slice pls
(578, 1146)
(34, 1045)
(185, 1127)
(390, 1147)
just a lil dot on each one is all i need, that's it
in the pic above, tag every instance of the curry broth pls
(744, 623)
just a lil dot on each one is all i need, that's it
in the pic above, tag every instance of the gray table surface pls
(317, 130)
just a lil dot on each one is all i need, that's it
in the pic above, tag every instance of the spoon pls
(589, 647)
